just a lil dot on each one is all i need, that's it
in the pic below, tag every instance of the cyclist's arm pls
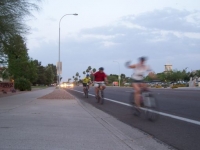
(151, 74)
(105, 78)
(132, 66)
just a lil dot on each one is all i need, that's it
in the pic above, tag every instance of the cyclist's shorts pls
(84, 84)
(99, 84)
(137, 81)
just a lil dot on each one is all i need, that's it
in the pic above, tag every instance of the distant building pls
(168, 68)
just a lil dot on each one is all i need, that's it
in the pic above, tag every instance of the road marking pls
(157, 112)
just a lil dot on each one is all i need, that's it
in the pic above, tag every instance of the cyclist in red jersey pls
(99, 79)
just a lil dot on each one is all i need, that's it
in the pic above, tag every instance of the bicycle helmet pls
(101, 68)
(87, 75)
(143, 58)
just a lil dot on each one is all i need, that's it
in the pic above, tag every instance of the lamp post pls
(59, 63)
(119, 72)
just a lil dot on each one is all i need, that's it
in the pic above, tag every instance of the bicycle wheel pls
(86, 93)
(102, 97)
(97, 98)
(150, 105)
(131, 99)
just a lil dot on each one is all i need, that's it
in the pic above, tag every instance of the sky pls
(108, 33)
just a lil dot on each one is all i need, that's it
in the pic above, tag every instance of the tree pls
(77, 75)
(87, 71)
(4, 74)
(112, 78)
(198, 73)
(31, 71)
(40, 73)
(89, 68)
(54, 72)
(94, 70)
(19, 64)
(84, 73)
(12, 14)
(49, 75)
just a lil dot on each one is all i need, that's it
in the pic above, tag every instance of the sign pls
(59, 67)
(119, 77)
(6, 86)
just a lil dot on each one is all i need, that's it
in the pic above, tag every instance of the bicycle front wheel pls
(86, 93)
(102, 97)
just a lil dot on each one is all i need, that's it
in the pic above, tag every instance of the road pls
(178, 124)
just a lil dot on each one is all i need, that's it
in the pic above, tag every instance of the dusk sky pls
(166, 31)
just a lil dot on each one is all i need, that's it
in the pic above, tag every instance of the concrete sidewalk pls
(52, 119)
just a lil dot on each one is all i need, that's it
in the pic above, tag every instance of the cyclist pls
(99, 79)
(138, 78)
(86, 82)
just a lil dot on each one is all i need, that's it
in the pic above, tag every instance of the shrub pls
(23, 84)
(178, 85)
(158, 86)
(174, 86)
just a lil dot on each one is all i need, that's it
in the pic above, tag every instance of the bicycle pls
(100, 96)
(148, 104)
(86, 90)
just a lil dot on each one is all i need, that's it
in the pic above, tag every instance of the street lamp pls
(119, 72)
(59, 63)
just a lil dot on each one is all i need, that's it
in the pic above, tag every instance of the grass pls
(39, 87)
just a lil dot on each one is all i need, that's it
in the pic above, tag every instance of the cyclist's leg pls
(136, 87)
(96, 89)
(144, 86)
(84, 85)
(102, 86)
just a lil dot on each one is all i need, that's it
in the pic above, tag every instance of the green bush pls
(22, 84)
(174, 86)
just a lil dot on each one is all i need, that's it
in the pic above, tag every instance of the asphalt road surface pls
(179, 120)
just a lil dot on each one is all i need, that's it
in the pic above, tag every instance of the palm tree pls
(89, 68)
(87, 71)
(84, 73)
(94, 70)
(77, 74)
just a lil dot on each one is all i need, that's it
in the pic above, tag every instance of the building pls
(168, 68)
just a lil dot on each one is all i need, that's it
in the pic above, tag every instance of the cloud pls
(168, 19)
(167, 35)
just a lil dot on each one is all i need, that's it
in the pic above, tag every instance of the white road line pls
(160, 113)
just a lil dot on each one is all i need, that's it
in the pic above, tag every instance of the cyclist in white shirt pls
(138, 78)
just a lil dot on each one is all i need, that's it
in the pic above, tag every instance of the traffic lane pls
(179, 134)
(115, 93)
(180, 103)
(187, 108)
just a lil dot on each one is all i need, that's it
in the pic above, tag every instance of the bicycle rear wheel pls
(151, 106)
